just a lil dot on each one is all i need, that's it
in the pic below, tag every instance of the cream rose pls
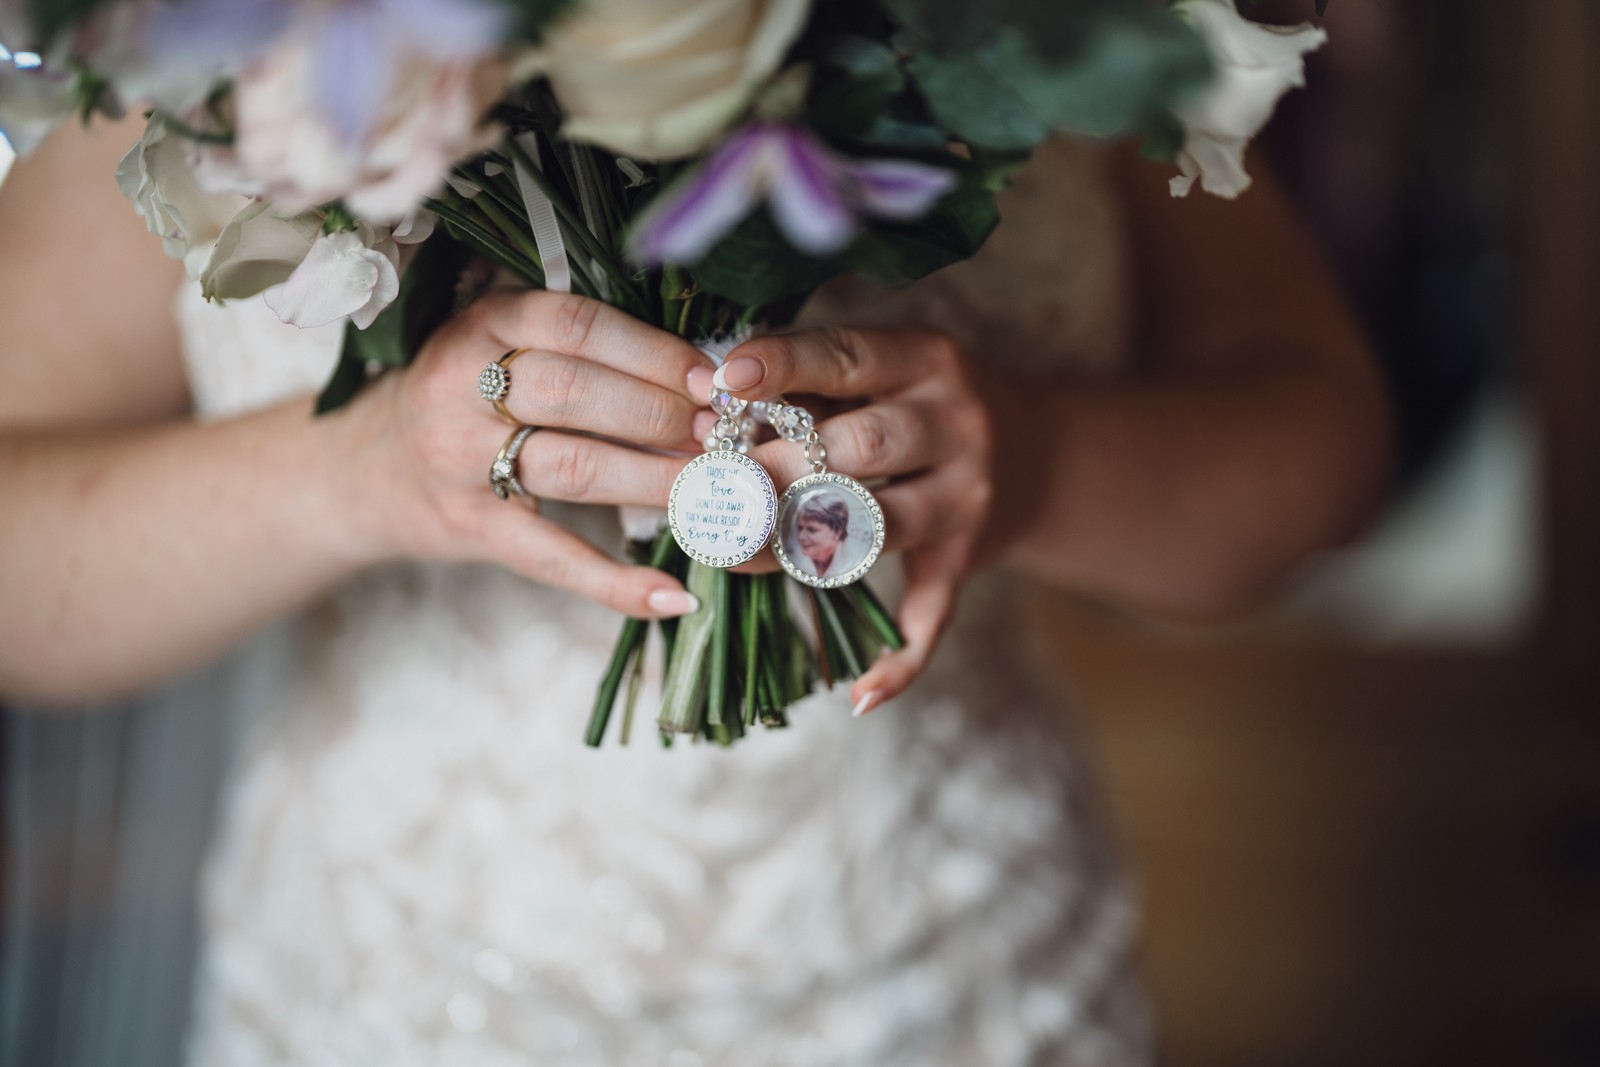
(1256, 64)
(658, 79)
(156, 175)
(291, 152)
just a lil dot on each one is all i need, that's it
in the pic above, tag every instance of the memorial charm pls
(723, 504)
(830, 528)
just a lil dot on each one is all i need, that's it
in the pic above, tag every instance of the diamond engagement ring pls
(503, 474)
(494, 382)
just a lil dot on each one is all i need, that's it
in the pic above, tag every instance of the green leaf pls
(954, 26)
(755, 264)
(953, 231)
(1008, 94)
(529, 17)
(1164, 137)
(855, 80)
(349, 375)
(973, 96)
(50, 17)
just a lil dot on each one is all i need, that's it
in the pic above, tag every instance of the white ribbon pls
(542, 218)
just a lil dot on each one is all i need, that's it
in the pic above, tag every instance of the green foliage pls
(856, 81)
(755, 265)
(50, 17)
(953, 231)
(1058, 30)
(1164, 137)
(1005, 75)
(531, 16)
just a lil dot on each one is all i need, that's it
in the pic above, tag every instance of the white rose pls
(1256, 64)
(430, 118)
(156, 175)
(658, 79)
(310, 278)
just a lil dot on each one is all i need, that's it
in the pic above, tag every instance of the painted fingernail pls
(700, 383)
(867, 703)
(672, 602)
(739, 374)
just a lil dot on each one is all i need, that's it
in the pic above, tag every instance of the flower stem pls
(629, 702)
(861, 598)
(750, 624)
(721, 633)
(473, 233)
(630, 645)
(580, 232)
(822, 637)
(841, 643)
(683, 700)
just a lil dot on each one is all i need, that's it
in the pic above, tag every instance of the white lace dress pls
(421, 863)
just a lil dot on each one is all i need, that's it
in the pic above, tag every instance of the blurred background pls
(1367, 822)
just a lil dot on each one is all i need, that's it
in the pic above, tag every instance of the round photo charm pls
(830, 530)
(722, 508)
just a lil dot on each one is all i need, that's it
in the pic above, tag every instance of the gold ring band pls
(494, 382)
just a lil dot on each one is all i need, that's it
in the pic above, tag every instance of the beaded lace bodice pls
(420, 863)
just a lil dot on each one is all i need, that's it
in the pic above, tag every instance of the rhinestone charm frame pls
(790, 500)
(687, 527)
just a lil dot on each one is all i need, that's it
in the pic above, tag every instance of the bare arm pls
(1252, 432)
(1255, 432)
(135, 542)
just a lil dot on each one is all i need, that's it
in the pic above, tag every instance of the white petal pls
(255, 251)
(340, 276)
(1256, 64)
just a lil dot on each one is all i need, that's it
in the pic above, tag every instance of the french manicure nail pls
(867, 703)
(700, 383)
(672, 602)
(739, 374)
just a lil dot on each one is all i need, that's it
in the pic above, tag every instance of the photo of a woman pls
(828, 535)
(823, 525)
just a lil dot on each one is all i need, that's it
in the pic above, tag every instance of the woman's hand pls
(927, 422)
(592, 372)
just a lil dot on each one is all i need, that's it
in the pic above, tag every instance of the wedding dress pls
(420, 862)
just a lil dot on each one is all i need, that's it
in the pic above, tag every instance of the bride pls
(1158, 403)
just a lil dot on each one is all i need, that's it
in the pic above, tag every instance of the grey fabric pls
(107, 813)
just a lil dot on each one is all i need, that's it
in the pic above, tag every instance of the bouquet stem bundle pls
(742, 658)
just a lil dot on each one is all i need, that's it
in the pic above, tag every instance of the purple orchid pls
(816, 196)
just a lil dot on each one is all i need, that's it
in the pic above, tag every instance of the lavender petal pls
(685, 221)
(448, 29)
(353, 67)
(898, 188)
(807, 196)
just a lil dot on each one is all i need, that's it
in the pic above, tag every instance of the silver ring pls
(503, 474)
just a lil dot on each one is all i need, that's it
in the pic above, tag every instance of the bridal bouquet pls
(703, 165)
